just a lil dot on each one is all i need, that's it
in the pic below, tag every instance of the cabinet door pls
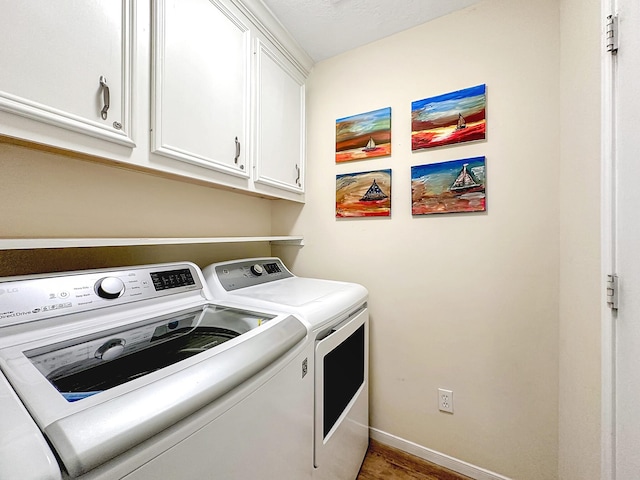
(58, 59)
(201, 83)
(280, 127)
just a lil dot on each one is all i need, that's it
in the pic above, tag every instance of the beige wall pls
(580, 293)
(467, 302)
(50, 195)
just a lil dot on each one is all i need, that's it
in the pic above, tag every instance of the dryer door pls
(341, 433)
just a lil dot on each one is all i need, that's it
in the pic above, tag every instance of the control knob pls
(109, 287)
(256, 269)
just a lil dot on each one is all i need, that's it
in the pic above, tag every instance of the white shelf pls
(35, 243)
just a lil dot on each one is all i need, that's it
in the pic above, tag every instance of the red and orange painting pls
(451, 118)
(364, 194)
(366, 135)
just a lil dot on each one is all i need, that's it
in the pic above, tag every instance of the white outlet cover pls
(445, 400)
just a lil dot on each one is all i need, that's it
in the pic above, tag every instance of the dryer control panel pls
(246, 273)
(29, 298)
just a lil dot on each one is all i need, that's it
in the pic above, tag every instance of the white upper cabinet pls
(201, 78)
(208, 91)
(280, 127)
(68, 64)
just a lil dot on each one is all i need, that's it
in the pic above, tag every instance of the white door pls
(626, 242)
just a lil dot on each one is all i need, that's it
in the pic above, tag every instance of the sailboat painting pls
(364, 194)
(363, 136)
(449, 187)
(447, 119)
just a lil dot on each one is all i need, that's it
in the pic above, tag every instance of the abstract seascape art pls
(366, 135)
(447, 119)
(449, 187)
(363, 194)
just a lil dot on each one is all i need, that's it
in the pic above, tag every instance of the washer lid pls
(316, 301)
(295, 291)
(272, 286)
(82, 367)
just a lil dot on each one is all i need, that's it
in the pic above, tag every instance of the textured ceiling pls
(325, 28)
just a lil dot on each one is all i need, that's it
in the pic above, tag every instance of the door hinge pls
(611, 34)
(612, 291)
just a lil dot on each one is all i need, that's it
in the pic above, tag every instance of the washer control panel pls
(24, 299)
(246, 273)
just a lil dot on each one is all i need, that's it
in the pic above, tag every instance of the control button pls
(109, 287)
(111, 349)
(63, 294)
(256, 269)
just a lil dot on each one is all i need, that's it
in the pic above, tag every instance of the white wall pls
(467, 302)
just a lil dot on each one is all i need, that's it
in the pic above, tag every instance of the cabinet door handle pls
(105, 96)
(298, 177)
(237, 151)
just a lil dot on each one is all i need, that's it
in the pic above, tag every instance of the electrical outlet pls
(445, 400)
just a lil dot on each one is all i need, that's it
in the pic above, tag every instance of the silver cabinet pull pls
(105, 96)
(237, 151)
(298, 177)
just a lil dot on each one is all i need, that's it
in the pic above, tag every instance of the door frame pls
(608, 253)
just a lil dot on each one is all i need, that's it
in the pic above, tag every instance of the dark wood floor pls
(386, 463)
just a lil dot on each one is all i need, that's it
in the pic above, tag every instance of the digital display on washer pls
(272, 268)
(172, 279)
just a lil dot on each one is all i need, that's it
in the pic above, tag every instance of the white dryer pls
(336, 314)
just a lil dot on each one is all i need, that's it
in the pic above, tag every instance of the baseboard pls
(432, 456)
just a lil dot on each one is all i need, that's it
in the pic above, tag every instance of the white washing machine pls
(336, 315)
(136, 373)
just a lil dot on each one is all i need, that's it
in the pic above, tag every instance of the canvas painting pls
(449, 187)
(448, 119)
(366, 135)
(364, 194)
